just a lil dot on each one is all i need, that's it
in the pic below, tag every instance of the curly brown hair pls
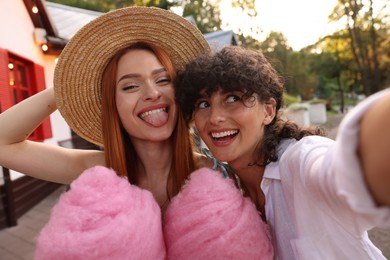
(238, 69)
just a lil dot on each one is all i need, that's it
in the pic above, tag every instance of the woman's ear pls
(269, 110)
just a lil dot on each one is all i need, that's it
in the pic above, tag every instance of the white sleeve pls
(327, 174)
(349, 179)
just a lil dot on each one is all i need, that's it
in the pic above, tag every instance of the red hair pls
(119, 151)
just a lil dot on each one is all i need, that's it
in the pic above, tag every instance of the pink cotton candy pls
(210, 219)
(103, 217)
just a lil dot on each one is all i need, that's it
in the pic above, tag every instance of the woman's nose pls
(217, 114)
(151, 92)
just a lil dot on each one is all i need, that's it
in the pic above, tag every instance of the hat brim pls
(78, 73)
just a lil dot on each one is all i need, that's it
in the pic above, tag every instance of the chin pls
(221, 156)
(162, 136)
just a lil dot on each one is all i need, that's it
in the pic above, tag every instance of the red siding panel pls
(40, 83)
(6, 100)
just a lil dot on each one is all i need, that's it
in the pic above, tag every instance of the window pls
(19, 79)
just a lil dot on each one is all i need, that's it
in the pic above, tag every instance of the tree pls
(329, 67)
(205, 13)
(293, 66)
(275, 47)
(246, 32)
(363, 28)
(248, 41)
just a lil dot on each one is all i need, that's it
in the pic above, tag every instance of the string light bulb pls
(34, 9)
(44, 47)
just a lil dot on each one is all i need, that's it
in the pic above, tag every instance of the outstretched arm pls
(374, 149)
(39, 160)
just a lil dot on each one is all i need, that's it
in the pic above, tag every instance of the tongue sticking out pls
(156, 119)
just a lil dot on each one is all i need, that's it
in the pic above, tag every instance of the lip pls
(151, 108)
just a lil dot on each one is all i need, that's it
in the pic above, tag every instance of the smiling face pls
(232, 126)
(145, 97)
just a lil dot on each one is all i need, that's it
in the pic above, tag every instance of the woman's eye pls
(129, 87)
(164, 81)
(202, 104)
(232, 98)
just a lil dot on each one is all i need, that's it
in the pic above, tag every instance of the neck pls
(250, 179)
(155, 158)
(155, 161)
(250, 176)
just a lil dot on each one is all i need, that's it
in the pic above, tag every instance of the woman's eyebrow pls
(203, 94)
(157, 71)
(129, 76)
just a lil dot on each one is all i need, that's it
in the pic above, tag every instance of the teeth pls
(148, 113)
(223, 134)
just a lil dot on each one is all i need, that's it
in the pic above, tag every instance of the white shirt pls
(317, 203)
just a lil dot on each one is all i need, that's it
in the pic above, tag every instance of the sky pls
(302, 22)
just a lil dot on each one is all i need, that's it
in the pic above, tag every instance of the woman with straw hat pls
(113, 84)
(91, 84)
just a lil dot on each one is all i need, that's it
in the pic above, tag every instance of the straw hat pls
(78, 74)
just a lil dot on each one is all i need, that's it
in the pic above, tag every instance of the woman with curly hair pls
(319, 196)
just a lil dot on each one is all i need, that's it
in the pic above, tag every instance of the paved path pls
(17, 243)
(381, 238)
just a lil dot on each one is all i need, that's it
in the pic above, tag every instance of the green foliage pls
(206, 14)
(364, 33)
(289, 99)
(276, 43)
(325, 88)
(248, 42)
(339, 63)
(246, 6)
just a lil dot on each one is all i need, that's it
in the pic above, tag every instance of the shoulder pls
(80, 160)
(304, 152)
(96, 157)
(303, 146)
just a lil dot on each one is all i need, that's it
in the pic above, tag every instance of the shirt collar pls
(272, 169)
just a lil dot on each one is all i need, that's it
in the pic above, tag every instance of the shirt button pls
(265, 183)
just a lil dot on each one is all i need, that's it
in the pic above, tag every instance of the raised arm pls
(374, 149)
(18, 122)
(39, 160)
